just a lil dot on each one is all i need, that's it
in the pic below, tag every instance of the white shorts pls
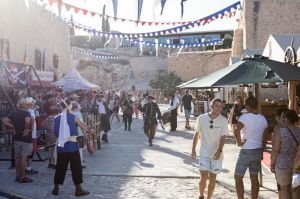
(208, 164)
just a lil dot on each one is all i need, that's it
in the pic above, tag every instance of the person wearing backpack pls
(285, 143)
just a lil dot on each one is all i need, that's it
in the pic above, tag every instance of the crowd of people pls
(67, 132)
(61, 116)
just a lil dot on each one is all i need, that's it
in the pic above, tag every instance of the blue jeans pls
(248, 158)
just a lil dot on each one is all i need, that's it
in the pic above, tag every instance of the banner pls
(17, 74)
(46, 76)
(68, 7)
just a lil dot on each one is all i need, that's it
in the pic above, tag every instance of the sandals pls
(81, 192)
(25, 180)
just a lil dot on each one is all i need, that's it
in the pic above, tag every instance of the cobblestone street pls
(128, 168)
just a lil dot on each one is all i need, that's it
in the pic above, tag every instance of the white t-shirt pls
(32, 114)
(174, 106)
(177, 100)
(111, 105)
(101, 107)
(254, 127)
(210, 137)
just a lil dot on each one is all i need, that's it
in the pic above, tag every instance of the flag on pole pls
(115, 4)
(25, 59)
(7, 50)
(140, 5)
(43, 60)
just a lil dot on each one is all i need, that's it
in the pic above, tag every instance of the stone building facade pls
(198, 64)
(261, 18)
(258, 20)
(130, 69)
(22, 21)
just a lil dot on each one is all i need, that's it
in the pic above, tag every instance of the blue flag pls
(115, 4)
(163, 2)
(182, 7)
(140, 5)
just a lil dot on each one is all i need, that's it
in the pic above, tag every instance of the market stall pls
(74, 81)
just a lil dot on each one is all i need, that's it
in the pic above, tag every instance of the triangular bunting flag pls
(163, 2)
(182, 7)
(115, 4)
(140, 5)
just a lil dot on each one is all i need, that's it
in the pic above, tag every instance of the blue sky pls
(194, 9)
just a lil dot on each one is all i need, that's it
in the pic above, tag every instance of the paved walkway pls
(128, 168)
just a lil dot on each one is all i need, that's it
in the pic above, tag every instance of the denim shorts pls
(207, 164)
(187, 113)
(22, 149)
(248, 158)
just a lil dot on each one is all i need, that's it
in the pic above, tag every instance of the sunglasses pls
(211, 124)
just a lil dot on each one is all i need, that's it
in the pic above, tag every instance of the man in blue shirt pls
(69, 153)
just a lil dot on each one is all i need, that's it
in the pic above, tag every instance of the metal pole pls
(257, 95)
(8, 98)
(12, 155)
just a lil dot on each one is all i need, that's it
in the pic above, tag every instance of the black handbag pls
(105, 137)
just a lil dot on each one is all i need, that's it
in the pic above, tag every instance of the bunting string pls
(178, 29)
(166, 45)
(170, 31)
(93, 54)
(226, 12)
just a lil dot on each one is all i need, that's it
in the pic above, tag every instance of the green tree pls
(165, 81)
(227, 44)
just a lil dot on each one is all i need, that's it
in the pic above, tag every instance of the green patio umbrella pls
(188, 82)
(252, 70)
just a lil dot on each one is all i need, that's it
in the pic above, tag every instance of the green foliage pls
(227, 44)
(165, 81)
(88, 42)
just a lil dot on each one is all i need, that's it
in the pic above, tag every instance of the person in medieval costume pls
(151, 114)
(66, 129)
(104, 113)
(127, 108)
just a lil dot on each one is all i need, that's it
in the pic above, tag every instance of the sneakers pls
(31, 171)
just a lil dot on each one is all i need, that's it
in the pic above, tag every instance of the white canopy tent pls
(74, 81)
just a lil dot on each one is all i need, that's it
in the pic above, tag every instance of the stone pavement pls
(128, 168)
